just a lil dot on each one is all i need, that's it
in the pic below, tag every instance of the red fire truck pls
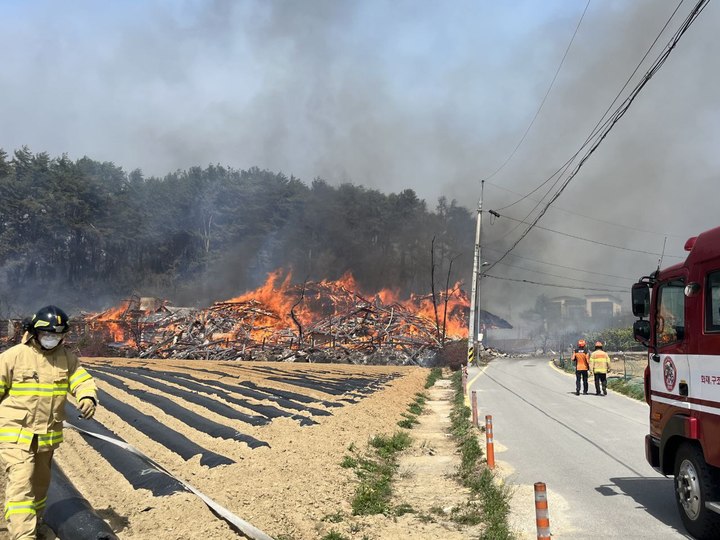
(679, 310)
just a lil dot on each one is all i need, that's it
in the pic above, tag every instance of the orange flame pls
(278, 310)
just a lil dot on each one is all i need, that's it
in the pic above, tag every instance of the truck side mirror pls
(641, 331)
(641, 299)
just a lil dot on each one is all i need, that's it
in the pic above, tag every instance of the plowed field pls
(264, 440)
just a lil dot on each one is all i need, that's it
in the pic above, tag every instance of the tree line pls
(86, 233)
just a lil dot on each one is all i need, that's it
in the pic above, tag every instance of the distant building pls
(603, 306)
(594, 306)
(567, 307)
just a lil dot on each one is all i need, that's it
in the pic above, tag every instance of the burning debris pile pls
(326, 321)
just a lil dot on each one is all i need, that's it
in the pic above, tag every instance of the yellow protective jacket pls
(34, 384)
(599, 361)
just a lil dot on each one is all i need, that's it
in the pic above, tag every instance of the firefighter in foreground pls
(580, 359)
(36, 375)
(600, 365)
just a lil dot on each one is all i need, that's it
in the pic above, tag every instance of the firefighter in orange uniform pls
(35, 377)
(580, 359)
(600, 365)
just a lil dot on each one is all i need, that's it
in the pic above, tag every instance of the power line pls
(563, 266)
(561, 170)
(585, 216)
(619, 113)
(621, 291)
(591, 241)
(542, 103)
(558, 276)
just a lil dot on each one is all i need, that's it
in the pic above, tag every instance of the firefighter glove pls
(86, 406)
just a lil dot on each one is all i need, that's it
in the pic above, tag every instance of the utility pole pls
(472, 324)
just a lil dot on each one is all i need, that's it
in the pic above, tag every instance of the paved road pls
(588, 450)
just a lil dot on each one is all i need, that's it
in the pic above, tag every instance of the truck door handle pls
(683, 389)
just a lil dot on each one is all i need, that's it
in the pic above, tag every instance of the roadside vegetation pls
(376, 466)
(633, 388)
(491, 504)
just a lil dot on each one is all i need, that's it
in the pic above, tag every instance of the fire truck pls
(679, 321)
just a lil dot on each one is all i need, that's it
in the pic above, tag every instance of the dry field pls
(264, 440)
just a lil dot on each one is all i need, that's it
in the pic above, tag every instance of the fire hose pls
(237, 523)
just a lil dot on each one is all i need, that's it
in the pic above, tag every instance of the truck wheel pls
(694, 486)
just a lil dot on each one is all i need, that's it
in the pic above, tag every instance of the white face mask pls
(49, 341)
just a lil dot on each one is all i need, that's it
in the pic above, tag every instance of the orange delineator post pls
(490, 445)
(474, 408)
(542, 518)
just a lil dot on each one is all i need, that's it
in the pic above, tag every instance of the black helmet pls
(50, 319)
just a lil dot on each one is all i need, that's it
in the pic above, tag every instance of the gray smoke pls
(426, 95)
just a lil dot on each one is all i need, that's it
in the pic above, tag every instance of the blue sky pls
(431, 96)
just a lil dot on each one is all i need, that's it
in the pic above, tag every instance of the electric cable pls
(621, 291)
(619, 113)
(592, 241)
(591, 218)
(561, 277)
(547, 93)
(598, 125)
(561, 265)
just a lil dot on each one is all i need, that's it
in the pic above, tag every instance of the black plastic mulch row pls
(70, 515)
(260, 396)
(234, 388)
(134, 469)
(340, 387)
(340, 384)
(208, 403)
(160, 433)
(273, 393)
(270, 394)
(188, 417)
(214, 388)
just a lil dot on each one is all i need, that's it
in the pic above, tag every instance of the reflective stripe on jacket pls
(34, 384)
(600, 361)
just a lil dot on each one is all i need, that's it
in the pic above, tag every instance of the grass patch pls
(375, 470)
(404, 509)
(408, 423)
(349, 462)
(415, 409)
(337, 517)
(376, 467)
(435, 374)
(334, 535)
(388, 446)
(494, 507)
(630, 387)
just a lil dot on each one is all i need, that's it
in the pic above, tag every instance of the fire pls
(112, 321)
(328, 313)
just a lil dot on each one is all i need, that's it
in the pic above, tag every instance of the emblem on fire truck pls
(669, 373)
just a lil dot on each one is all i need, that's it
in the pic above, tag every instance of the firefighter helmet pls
(50, 319)
(598, 344)
(581, 343)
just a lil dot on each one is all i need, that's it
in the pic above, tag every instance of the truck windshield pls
(670, 321)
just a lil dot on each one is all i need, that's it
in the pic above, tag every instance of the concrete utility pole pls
(472, 324)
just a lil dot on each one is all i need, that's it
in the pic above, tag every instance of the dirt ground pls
(294, 489)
